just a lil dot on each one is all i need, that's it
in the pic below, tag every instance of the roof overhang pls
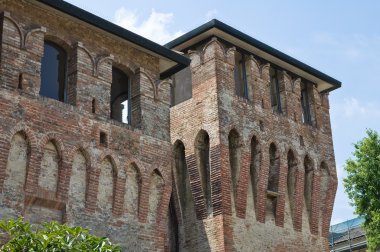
(170, 62)
(216, 28)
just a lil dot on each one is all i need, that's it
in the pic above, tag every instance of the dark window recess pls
(240, 75)
(20, 78)
(53, 72)
(103, 139)
(181, 90)
(275, 90)
(93, 110)
(120, 96)
(305, 103)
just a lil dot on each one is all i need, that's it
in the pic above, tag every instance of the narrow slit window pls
(305, 103)
(93, 106)
(240, 75)
(53, 72)
(120, 96)
(275, 90)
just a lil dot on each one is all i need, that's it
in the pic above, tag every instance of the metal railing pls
(347, 236)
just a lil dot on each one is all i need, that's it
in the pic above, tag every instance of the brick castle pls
(213, 142)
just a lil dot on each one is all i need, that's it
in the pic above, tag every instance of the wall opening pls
(235, 157)
(173, 227)
(291, 183)
(324, 188)
(240, 75)
(274, 168)
(275, 90)
(202, 151)
(93, 106)
(20, 79)
(53, 72)
(255, 167)
(308, 183)
(182, 176)
(103, 139)
(273, 180)
(120, 96)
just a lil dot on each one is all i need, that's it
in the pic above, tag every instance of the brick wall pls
(245, 216)
(53, 164)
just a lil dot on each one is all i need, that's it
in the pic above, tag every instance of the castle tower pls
(254, 166)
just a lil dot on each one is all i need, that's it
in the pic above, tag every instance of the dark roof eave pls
(172, 71)
(254, 42)
(116, 30)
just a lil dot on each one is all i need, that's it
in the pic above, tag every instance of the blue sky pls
(339, 38)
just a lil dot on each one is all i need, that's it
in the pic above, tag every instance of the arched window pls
(53, 72)
(120, 96)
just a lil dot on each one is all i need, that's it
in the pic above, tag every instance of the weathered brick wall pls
(52, 162)
(296, 217)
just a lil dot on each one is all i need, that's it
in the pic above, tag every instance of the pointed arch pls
(325, 183)
(213, 40)
(16, 172)
(51, 163)
(308, 183)
(181, 175)
(78, 186)
(106, 184)
(255, 166)
(234, 146)
(274, 168)
(291, 180)
(273, 182)
(156, 189)
(202, 153)
(132, 189)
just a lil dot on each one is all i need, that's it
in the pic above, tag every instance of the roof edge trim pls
(214, 23)
(116, 30)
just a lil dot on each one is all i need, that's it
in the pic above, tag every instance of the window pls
(305, 103)
(53, 72)
(275, 90)
(240, 75)
(120, 96)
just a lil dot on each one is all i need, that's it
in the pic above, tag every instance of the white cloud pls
(211, 14)
(155, 27)
(353, 108)
(349, 46)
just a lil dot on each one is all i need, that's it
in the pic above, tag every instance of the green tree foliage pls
(363, 185)
(22, 236)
